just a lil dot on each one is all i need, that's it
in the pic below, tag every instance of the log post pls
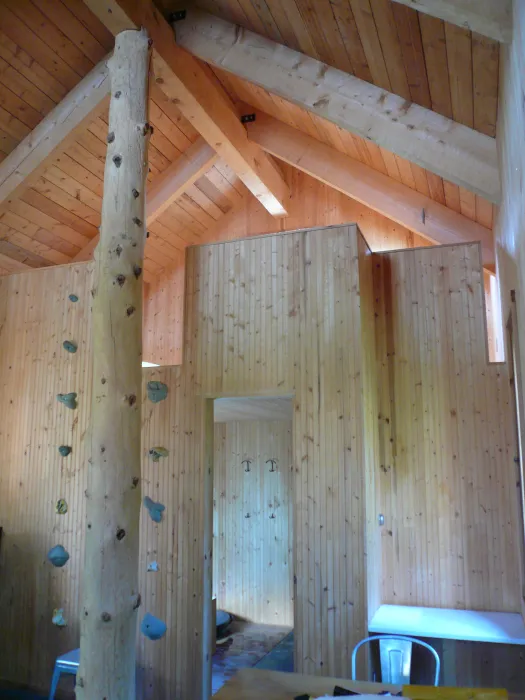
(110, 595)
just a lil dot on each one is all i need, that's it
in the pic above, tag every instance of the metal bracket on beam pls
(246, 118)
(177, 16)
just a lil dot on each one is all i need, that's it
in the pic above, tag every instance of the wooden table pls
(254, 684)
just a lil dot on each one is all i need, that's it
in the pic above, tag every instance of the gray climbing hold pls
(65, 450)
(69, 400)
(157, 391)
(58, 618)
(155, 510)
(73, 297)
(157, 452)
(58, 556)
(153, 628)
(153, 566)
(70, 346)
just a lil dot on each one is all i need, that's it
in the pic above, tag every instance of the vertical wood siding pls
(253, 516)
(447, 472)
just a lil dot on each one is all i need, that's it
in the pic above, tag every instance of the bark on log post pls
(110, 576)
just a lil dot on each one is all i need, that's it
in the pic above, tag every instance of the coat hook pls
(247, 462)
(247, 515)
(272, 516)
(273, 462)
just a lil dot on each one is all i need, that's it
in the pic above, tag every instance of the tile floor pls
(249, 644)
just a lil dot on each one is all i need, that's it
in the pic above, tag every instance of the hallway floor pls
(249, 644)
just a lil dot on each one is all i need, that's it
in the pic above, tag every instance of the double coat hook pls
(273, 462)
(247, 462)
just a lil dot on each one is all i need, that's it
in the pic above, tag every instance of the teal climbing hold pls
(155, 510)
(70, 346)
(157, 391)
(157, 452)
(58, 556)
(153, 628)
(65, 450)
(69, 400)
(73, 297)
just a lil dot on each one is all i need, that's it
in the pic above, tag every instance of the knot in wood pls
(131, 399)
(130, 311)
(137, 221)
(137, 271)
(135, 482)
(138, 601)
(121, 533)
(120, 280)
(118, 251)
(135, 193)
(105, 617)
(118, 94)
(117, 160)
(111, 137)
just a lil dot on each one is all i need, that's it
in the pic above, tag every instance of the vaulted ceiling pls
(48, 46)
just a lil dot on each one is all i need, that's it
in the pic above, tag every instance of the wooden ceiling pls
(47, 46)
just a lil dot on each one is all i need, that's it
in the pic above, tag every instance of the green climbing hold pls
(70, 346)
(157, 391)
(61, 506)
(157, 452)
(65, 450)
(69, 400)
(73, 297)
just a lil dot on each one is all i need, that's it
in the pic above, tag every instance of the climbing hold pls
(153, 566)
(154, 509)
(152, 628)
(157, 452)
(69, 400)
(58, 617)
(73, 297)
(70, 346)
(61, 506)
(157, 391)
(65, 450)
(58, 556)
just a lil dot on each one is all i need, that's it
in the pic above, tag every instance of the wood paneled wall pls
(163, 330)
(509, 230)
(36, 317)
(447, 472)
(253, 517)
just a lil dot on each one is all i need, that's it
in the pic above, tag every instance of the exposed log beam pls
(54, 134)
(377, 191)
(110, 592)
(168, 186)
(451, 150)
(200, 100)
(492, 18)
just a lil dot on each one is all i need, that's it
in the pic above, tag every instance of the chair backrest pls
(395, 653)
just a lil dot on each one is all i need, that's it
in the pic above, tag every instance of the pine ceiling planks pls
(46, 47)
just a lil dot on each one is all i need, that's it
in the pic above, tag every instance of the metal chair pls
(67, 663)
(395, 653)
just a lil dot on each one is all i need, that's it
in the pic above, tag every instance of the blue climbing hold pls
(152, 628)
(58, 556)
(154, 509)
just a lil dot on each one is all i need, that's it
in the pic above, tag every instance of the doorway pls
(252, 572)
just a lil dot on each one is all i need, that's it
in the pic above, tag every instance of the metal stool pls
(67, 663)
(395, 652)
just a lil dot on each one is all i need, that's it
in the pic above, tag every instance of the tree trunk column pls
(110, 576)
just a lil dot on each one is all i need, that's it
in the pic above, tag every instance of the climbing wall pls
(42, 461)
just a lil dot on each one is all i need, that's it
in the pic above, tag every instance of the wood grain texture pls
(446, 437)
(509, 228)
(447, 148)
(253, 516)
